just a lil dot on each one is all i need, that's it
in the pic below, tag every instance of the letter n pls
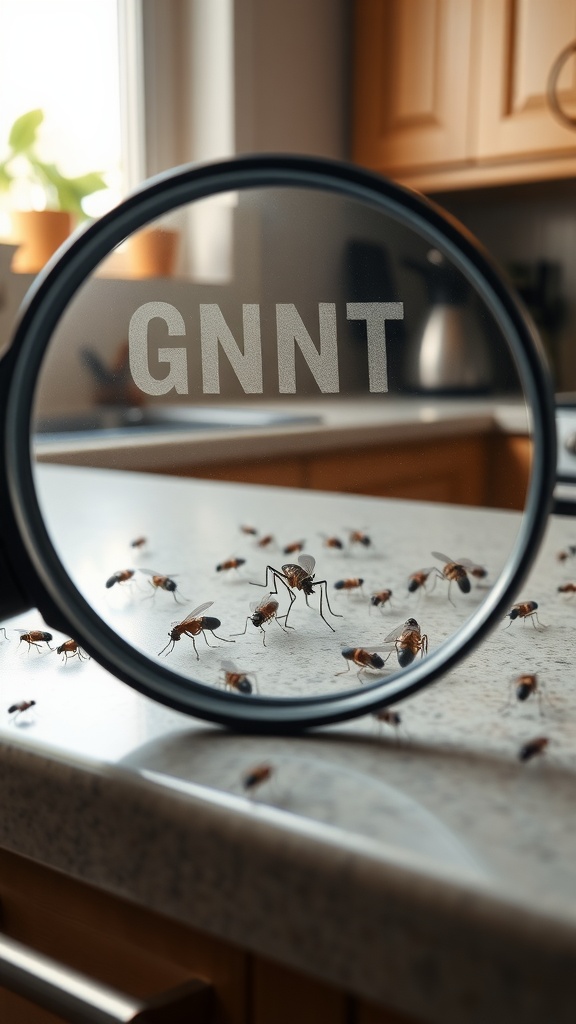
(247, 365)
(323, 364)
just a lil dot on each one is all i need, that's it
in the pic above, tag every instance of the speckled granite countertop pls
(425, 867)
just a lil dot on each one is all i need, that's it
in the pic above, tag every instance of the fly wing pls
(197, 611)
(264, 602)
(228, 666)
(443, 558)
(162, 575)
(307, 562)
(395, 634)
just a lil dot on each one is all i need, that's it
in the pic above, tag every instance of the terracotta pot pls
(39, 233)
(153, 252)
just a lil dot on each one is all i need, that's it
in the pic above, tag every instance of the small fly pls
(194, 624)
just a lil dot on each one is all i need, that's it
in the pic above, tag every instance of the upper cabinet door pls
(412, 73)
(517, 42)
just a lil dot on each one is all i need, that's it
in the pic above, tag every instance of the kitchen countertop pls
(424, 868)
(344, 423)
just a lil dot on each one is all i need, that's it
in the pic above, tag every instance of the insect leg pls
(319, 583)
(324, 590)
(285, 628)
(275, 574)
(217, 637)
(167, 645)
(292, 599)
(344, 670)
(248, 619)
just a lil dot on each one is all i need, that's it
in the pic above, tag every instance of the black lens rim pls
(44, 305)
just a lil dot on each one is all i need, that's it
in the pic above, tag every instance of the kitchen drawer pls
(111, 940)
(273, 471)
(450, 470)
(141, 952)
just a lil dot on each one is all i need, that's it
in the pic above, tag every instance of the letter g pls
(177, 377)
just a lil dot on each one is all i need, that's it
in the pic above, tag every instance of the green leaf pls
(25, 130)
(61, 193)
(68, 200)
(68, 193)
(86, 184)
(6, 178)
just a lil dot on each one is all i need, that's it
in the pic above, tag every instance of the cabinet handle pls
(551, 93)
(81, 1000)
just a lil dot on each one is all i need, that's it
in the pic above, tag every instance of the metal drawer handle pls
(80, 1000)
(551, 94)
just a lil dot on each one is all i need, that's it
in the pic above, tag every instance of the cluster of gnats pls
(283, 585)
(36, 638)
(527, 684)
(286, 583)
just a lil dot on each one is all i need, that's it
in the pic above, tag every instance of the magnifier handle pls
(81, 1000)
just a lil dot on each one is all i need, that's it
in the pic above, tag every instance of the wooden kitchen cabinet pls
(110, 940)
(408, 56)
(452, 93)
(450, 470)
(491, 469)
(141, 953)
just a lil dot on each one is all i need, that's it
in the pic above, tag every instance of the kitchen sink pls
(113, 420)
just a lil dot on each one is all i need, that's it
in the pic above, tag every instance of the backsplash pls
(530, 231)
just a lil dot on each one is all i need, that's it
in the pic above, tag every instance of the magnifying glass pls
(231, 480)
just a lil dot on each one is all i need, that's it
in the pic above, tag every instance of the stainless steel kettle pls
(448, 353)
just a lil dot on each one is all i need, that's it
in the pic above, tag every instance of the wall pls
(290, 94)
(292, 76)
(528, 224)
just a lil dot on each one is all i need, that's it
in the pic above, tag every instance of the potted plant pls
(29, 181)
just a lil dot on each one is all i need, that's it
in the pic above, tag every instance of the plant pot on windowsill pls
(153, 252)
(38, 233)
(24, 176)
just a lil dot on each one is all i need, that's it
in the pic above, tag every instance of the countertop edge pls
(203, 447)
(422, 945)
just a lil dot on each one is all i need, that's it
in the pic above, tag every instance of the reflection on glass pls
(338, 419)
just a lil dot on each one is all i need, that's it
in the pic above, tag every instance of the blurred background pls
(446, 97)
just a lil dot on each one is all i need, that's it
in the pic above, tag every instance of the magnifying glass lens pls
(275, 437)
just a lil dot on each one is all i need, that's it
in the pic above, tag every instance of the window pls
(62, 57)
(128, 88)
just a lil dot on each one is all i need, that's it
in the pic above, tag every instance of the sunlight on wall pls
(62, 56)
